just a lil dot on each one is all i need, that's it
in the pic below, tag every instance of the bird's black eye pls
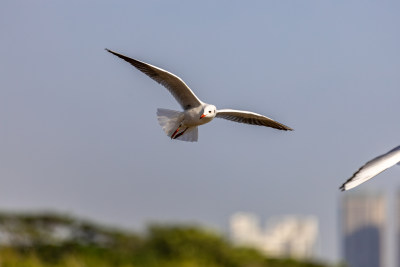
(209, 111)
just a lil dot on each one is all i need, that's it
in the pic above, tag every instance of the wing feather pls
(373, 168)
(250, 118)
(175, 85)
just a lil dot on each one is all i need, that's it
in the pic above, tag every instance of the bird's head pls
(209, 112)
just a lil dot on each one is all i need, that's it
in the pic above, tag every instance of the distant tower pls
(291, 236)
(397, 223)
(363, 227)
(245, 229)
(285, 236)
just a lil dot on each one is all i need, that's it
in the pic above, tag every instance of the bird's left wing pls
(250, 118)
(175, 85)
(373, 168)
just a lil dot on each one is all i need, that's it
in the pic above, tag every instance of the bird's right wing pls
(373, 168)
(175, 85)
(250, 118)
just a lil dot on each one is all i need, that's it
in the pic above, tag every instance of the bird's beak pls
(202, 116)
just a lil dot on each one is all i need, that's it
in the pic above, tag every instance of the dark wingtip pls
(119, 55)
(114, 53)
(281, 126)
(342, 188)
(286, 128)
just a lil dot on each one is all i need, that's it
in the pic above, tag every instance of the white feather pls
(169, 120)
(250, 118)
(373, 168)
(191, 135)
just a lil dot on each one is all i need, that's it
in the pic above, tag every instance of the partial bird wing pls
(373, 168)
(250, 118)
(175, 85)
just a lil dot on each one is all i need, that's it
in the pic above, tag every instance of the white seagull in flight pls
(183, 125)
(373, 168)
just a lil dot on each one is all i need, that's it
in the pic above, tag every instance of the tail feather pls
(191, 135)
(170, 120)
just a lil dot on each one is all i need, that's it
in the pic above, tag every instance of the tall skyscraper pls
(364, 227)
(397, 229)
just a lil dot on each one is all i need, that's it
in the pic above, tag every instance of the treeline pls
(52, 240)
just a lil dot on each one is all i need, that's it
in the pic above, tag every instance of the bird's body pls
(183, 125)
(373, 168)
(192, 116)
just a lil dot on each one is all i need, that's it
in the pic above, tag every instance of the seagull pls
(373, 168)
(183, 125)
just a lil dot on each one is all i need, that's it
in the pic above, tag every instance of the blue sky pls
(79, 131)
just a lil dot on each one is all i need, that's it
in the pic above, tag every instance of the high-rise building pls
(363, 228)
(397, 229)
(285, 236)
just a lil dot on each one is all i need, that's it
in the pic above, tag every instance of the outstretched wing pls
(373, 168)
(175, 85)
(250, 118)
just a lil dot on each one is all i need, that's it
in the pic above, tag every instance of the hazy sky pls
(79, 132)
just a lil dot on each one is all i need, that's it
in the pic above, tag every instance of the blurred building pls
(286, 236)
(363, 228)
(397, 229)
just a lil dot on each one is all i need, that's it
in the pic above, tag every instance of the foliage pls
(91, 245)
